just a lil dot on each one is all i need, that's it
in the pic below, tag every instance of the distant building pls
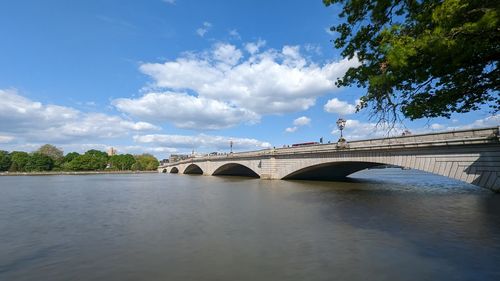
(197, 155)
(177, 157)
(111, 151)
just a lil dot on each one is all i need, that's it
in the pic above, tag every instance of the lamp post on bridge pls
(341, 125)
(231, 145)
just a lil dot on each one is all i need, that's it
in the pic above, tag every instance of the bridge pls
(472, 156)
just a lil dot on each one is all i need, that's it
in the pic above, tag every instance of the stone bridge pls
(472, 156)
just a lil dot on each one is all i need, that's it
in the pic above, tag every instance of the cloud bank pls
(200, 141)
(27, 120)
(230, 85)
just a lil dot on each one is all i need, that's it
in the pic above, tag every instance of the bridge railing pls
(442, 138)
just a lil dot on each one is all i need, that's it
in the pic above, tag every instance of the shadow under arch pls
(193, 169)
(330, 171)
(174, 170)
(235, 169)
(164, 171)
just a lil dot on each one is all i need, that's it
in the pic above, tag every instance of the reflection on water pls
(379, 225)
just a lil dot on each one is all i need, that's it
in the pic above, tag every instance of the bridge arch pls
(235, 169)
(193, 169)
(164, 171)
(174, 170)
(330, 170)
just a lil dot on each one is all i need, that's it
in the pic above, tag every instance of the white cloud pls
(204, 29)
(340, 107)
(490, 121)
(292, 56)
(256, 83)
(25, 119)
(186, 111)
(302, 121)
(299, 122)
(169, 1)
(356, 130)
(93, 125)
(254, 47)
(436, 127)
(227, 54)
(235, 34)
(204, 142)
(6, 139)
(313, 48)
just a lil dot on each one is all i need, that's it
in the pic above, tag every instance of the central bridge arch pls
(235, 169)
(330, 170)
(174, 170)
(193, 169)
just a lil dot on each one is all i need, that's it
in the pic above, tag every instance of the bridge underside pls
(234, 169)
(330, 171)
(174, 170)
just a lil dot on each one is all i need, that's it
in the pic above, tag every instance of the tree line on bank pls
(51, 158)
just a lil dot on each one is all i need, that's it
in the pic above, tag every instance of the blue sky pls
(165, 77)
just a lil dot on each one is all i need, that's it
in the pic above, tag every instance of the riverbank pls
(59, 173)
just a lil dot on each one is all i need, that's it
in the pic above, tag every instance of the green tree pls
(65, 165)
(39, 162)
(5, 160)
(137, 166)
(128, 161)
(70, 156)
(19, 160)
(97, 160)
(145, 162)
(79, 163)
(122, 161)
(425, 58)
(92, 160)
(51, 151)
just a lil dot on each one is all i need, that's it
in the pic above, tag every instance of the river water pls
(380, 225)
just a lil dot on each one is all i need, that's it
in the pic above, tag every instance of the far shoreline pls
(74, 173)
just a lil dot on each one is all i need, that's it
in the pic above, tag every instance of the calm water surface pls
(382, 225)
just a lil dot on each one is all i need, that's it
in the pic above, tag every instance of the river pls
(380, 225)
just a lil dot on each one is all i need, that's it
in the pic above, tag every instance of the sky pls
(175, 76)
